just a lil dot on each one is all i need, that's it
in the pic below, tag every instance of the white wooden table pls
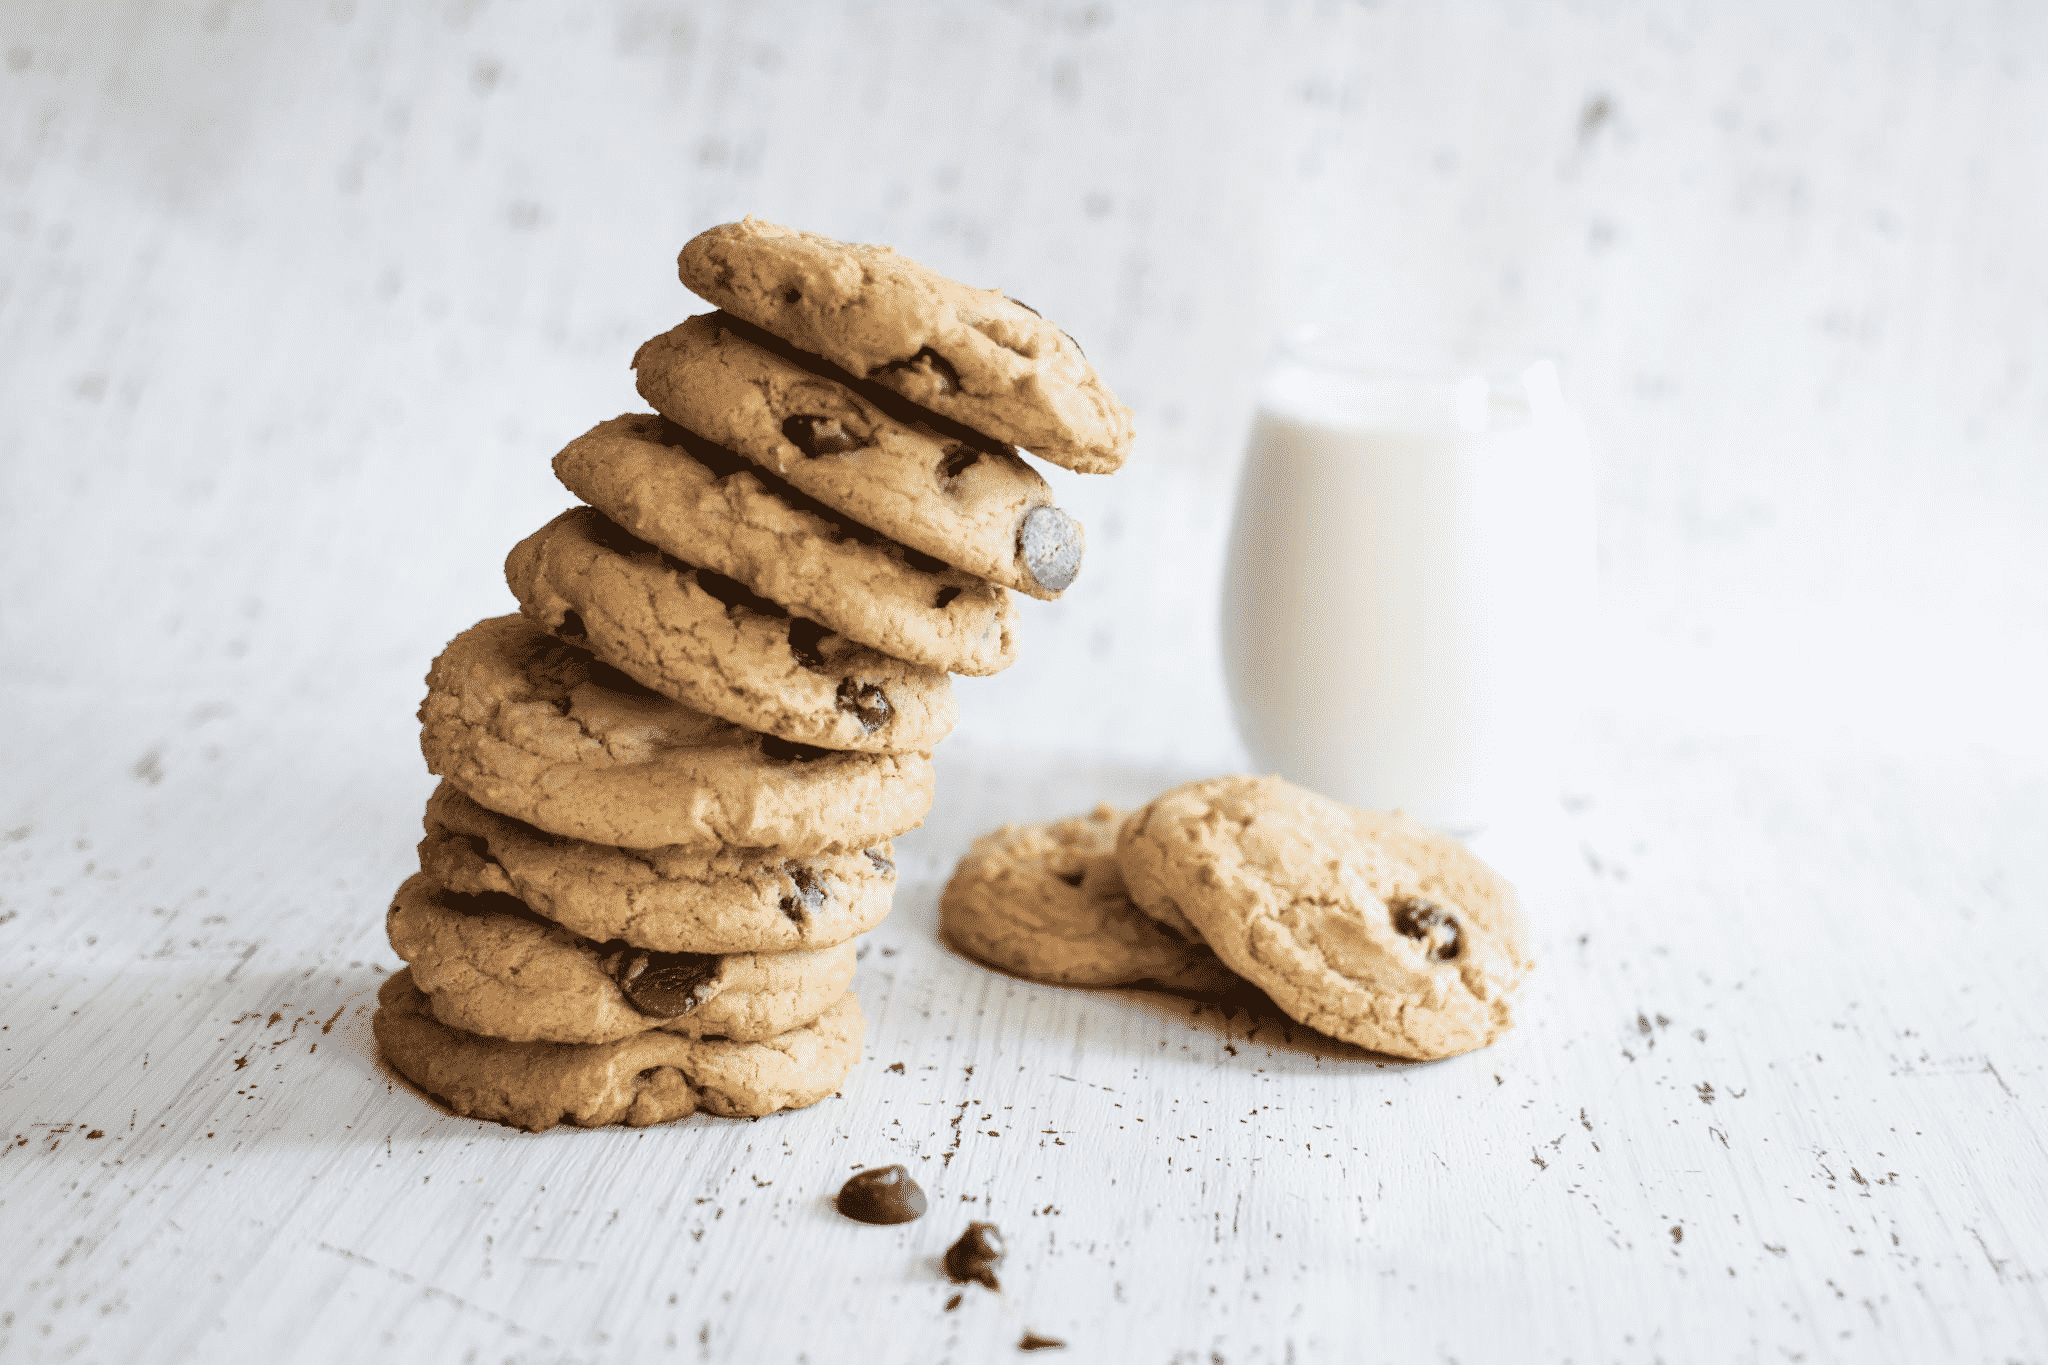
(1777, 1095)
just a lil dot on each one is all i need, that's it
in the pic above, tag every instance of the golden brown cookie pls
(1048, 902)
(648, 1078)
(673, 900)
(707, 506)
(971, 355)
(1360, 924)
(706, 641)
(488, 964)
(539, 730)
(982, 510)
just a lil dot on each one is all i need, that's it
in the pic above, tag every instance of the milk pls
(1409, 579)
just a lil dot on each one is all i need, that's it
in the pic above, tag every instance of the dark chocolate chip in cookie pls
(809, 897)
(882, 1196)
(664, 985)
(816, 436)
(1430, 922)
(1050, 542)
(976, 1255)
(868, 703)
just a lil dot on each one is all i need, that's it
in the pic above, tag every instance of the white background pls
(296, 302)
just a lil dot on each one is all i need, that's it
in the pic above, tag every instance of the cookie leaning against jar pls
(1360, 924)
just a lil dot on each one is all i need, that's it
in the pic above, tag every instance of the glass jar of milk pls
(1410, 578)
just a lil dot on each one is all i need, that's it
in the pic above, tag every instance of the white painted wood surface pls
(295, 302)
(1777, 1094)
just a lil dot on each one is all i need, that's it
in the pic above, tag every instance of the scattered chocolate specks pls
(974, 1258)
(1034, 1342)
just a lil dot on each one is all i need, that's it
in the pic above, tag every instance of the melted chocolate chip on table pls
(882, 1196)
(976, 1255)
(1034, 1342)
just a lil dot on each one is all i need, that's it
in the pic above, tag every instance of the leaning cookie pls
(490, 965)
(706, 506)
(673, 900)
(985, 511)
(648, 1078)
(1358, 924)
(971, 355)
(541, 731)
(706, 641)
(1047, 902)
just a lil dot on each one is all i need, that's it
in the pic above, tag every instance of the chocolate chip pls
(976, 1255)
(809, 897)
(804, 638)
(571, 627)
(958, 461)
(945, 597)
(944, 378)
(1051, 544)
(816, 436)
(882, 864)
(1034, 1342)
(869, 705)
(733, 593)
(664, 985)
(792, 295)
(1426, 920)
(1074, 878)
(884, 1195)
(789, 751)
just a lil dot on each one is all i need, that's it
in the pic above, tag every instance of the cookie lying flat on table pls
(970, 355)
(673, 900)
(1362, 925)
(985, 511)
(1048, 902)
(541, 731)
(706, 641)
(707, 506)
(488, 964)
(648, 1078)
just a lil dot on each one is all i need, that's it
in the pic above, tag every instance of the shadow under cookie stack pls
(669, 784)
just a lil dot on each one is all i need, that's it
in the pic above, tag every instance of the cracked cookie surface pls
(959, 503)
(709, 643)
(489, 964)
(707, 506)
(1361, 924)
(674, 900)
(972, 355)
(539, 730)
(648, 1078)
(1048, 902)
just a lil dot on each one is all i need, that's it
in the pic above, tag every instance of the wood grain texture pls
(1777, 1092)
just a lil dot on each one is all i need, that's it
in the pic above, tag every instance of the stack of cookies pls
(670, 782)
(1363, 925)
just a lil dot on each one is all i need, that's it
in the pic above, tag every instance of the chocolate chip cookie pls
(648, 1078)
(1362, 925)
(978, 507)
(488, 964)
(673, 900)
(542, 731)
(1048, 902)
(971, 355)
(708, 507)
(708, 642)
